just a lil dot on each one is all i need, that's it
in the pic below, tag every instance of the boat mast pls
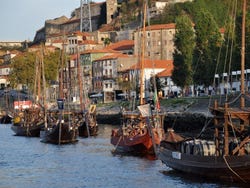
(61, 67)
(79, 75)
(44, 89)
(242, 99)
(142, 81)
(39, 79)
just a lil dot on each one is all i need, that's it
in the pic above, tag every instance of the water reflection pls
(26, 162)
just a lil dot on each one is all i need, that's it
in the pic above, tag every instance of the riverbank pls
(183, 114)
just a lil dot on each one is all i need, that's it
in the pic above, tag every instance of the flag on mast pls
(156, 101)
(145, 110)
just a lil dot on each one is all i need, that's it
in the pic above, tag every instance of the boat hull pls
(6, 119)
(140, 143)
(28, 130)
(85, 131)
(52, 135)
(229, 168)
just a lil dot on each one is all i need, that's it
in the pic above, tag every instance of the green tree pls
(183, 54)
(208, 43)
(23, 68)
(107, 41)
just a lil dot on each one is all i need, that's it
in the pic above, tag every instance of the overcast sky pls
(20, 19)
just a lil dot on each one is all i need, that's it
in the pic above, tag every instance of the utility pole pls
(85, 16)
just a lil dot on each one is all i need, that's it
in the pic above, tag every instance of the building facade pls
(159, 41)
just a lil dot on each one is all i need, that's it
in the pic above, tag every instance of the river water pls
(26, 163)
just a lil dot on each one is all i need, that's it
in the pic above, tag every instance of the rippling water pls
(26, 162)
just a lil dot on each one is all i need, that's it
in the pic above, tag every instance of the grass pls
(177, 101)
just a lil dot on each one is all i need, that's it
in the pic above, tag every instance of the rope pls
(231, 124)
(118, 143)
(247, 97)
(204, 128)
(233, 101)
(235, 173)
(230, 119)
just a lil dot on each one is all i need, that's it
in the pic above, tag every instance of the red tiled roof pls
(158, 64)
(79, 33)
(166, 73)
(87, 42)
(122, 45)
(58, 41)
(99, 51)
(160, 26)
(112, 56)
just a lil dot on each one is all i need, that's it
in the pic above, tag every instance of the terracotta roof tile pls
(100, 51)
(87, 42)
(160, 26)
(112, 56)
(166, 73)
(122, 45)
(79, 33)
(154, 64)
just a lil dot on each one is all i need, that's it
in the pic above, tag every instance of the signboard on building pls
(22, 104)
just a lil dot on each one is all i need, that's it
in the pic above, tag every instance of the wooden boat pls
(28, 122)
(138, 135)
(140, 132)
(28, 119)
(60, 133)
(6, 118)
(89, 126)
(225, 157)
(60, 128)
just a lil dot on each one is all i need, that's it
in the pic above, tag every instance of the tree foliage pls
(23, 68)
(210, 55)
(183, 54)
(208, 42)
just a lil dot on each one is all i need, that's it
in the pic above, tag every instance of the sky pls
(20, 19)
